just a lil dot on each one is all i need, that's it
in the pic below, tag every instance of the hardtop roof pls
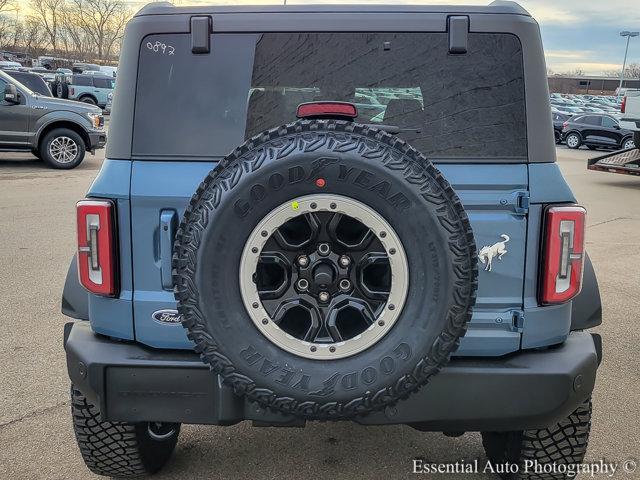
(496, 7)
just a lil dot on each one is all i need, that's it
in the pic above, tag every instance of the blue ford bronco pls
(335, 213)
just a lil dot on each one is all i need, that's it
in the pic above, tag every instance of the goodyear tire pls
(350, 164)
(120, 449)
(562, 445)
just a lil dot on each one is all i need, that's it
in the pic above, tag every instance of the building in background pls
(586, 84)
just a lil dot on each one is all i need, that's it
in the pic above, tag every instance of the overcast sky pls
(576, 33)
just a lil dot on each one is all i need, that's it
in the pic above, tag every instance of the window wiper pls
(393, 129)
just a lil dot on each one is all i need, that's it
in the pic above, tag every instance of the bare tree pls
(7, 5)
(632, 71)
(73, 36)
(34, 37)
(49, 14)
(103, 22)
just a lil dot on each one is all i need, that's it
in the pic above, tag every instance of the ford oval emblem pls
(167, 317)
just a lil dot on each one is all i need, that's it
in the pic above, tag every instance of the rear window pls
(33, 82)
(448, 106)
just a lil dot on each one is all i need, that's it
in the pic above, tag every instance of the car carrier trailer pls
(621, 161)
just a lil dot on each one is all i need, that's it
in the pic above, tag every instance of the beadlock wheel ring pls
(335, 204)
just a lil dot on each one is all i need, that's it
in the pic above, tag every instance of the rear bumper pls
(526, 390)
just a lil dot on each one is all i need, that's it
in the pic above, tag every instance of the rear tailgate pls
(495, 197)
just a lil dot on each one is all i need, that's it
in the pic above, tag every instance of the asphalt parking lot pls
(36, 440)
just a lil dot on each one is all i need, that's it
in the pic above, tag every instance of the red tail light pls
(327, 109)
(97, 262)
(71, 91)
(563, 259)
(623, 105)
(565, 125)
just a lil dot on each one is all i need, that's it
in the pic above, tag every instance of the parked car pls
(47, 75)
(596, 131)
(9, 65)
(326, 268)
(558, 122)
(107, 107)
(32, 81)
(88, 88)
(80, 67)
(54, 130)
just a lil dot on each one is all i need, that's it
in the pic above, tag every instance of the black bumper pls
(526, 390)
(96, 140)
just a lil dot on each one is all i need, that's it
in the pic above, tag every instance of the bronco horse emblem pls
(489, 252)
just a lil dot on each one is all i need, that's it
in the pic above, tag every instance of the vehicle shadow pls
(321, 450)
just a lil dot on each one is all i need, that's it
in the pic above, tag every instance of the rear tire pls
(558, 137)
(629, 143)
(62, 148)
(564, 443)
(573, 141)
(120, 449)
(89, 100)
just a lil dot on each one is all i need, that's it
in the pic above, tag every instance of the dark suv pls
(596, 131)
(54, 130)
(332, 213)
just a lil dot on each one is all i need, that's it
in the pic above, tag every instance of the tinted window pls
(100, 82)
(609, 122)
(83, 81)
(33, 82)
(464, 106)
(590, 120)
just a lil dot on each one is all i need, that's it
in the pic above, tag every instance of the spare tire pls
(54, 88)
(325, 269)
(62, 90)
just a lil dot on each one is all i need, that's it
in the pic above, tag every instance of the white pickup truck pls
(631, 114)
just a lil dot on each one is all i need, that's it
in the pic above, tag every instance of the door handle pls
(168, 222)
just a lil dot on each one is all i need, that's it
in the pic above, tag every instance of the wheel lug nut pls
(345, 285)
(324, 297)
(303, 260)
(302, 284)
(324, 249)
(344, 261)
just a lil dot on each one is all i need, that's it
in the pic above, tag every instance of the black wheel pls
(89, 100)
(62, 148)
(628, 143)
(557, 136)
(62, 91)
(564, 443)
(119, 449)
(340, 242)
(54, 88)
(573, 140)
